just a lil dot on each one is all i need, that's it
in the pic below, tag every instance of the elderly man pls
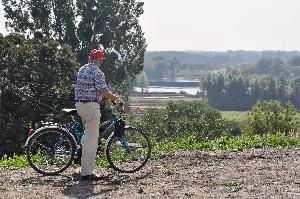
(89, 89)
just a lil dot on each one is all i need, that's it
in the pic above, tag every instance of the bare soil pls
(256, 173)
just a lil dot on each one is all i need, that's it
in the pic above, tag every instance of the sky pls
(218, 25)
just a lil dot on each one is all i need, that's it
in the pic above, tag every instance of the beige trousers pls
(90, 116)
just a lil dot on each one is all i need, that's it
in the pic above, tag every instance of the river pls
(164, 89)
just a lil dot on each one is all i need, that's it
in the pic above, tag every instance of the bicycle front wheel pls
(130, 152)
(51, 150)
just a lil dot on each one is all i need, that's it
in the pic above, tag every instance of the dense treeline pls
(168, 66)
(219, 59)
(239, 91)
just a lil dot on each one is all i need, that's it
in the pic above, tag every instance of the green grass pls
(240, 116)
(226, 143)
(298, 119)
(160, 149)
(14, 161)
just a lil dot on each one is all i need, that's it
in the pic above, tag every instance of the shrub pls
(193, 118)
(233, 127)
(182, 120)
(270, 117)
(154, 123)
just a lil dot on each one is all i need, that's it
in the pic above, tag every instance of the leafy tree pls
(256, 91)
(266, 66)
(270, 117)
(271, 87)
(184, 119)
(142, 81)
(85, 24)
(37, 78)
(238, 91)
(294, 61)
(160, 68)
(194, 119)
(295, 94)
(282, 88)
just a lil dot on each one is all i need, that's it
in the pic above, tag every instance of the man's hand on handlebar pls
(119, 101)
(114, 98)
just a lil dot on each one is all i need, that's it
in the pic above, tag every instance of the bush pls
(184, 119)
(270, 117)
(154, 123)
(233, 127)
(196, 119)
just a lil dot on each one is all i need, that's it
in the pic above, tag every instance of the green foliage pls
(294, 61)
(240, 116)
(233, 127)
(37, 77)
(142, 81)
(193, 118)
(161, 149)
(228, 91)
(86, 24)
(229, 143)
(154, 123)
(42, 62)
(14, 161)
(106, 111)
(160, 68)
(270, 117)
(266, 66)
(238, 91)
(295, 94)
(184, 119)
(297, 120)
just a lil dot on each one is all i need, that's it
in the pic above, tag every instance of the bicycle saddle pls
(69, 111)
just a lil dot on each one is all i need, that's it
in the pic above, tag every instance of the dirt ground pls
(256, 173)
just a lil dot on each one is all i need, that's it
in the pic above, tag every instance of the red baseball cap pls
(98, 54)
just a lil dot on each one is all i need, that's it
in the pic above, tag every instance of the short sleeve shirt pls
(90, 83)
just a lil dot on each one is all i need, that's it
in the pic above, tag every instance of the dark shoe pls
(91, 177)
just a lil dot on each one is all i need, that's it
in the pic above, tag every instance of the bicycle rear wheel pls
(51, 150)
(130, 152)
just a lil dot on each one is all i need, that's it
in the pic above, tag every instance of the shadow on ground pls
(109, 183)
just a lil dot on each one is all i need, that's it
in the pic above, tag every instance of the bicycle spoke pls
(51, 151)
(129, 153)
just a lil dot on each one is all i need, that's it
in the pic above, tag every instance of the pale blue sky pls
(219, 25)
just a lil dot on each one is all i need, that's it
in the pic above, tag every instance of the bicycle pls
(51, 149)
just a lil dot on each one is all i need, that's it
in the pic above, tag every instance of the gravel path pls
(256, 173)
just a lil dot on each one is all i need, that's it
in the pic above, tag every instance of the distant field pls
(242, 116)
(234, 115)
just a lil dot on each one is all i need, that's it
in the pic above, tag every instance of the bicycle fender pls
(41, 129)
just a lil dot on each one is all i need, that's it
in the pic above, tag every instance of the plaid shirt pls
(90, 83)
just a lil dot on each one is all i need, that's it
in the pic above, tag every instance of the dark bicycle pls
(51, 149)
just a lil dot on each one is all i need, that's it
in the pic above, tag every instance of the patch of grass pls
(14, 161)
(160, 149)
(298, 119)
(240, 116)
(229, 143)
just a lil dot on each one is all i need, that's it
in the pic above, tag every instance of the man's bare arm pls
(109, 95)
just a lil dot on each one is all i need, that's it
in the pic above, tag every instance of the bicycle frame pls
(64, 147)
(73, 129)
